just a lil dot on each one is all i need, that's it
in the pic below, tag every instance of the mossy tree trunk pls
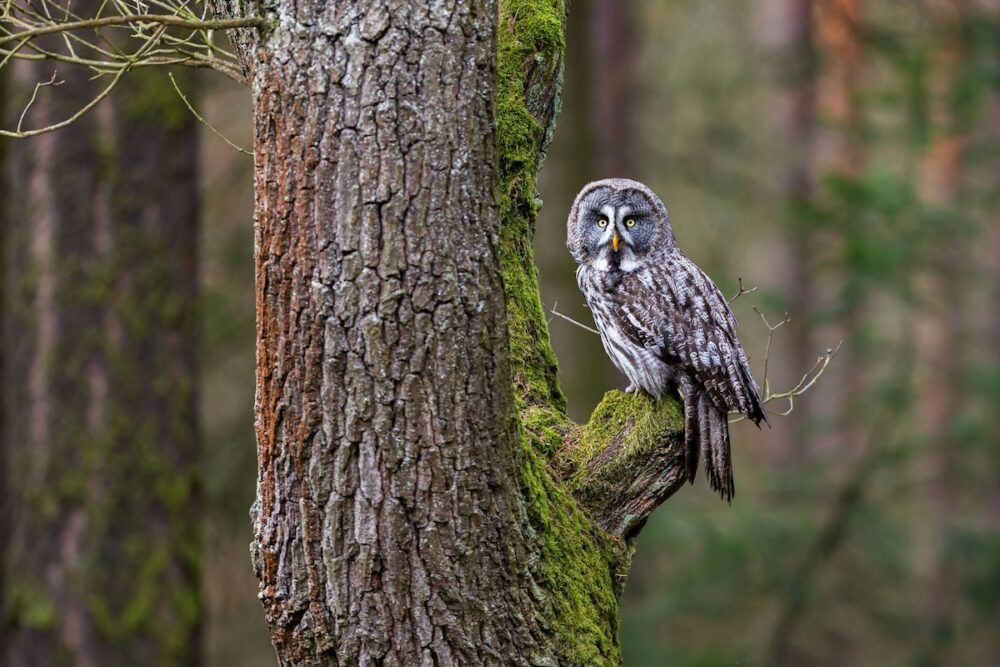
(98, 440)
(422, 496)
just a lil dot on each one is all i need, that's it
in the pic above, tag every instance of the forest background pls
(842, 157)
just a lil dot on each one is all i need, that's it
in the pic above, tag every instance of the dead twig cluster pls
(165, 32)
(804, 384)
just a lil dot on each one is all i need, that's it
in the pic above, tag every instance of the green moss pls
(650, 423)
(575, 566)
(578, 569)
(530, 36)
(546, 428)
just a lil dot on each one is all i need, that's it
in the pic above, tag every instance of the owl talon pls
(631, 389)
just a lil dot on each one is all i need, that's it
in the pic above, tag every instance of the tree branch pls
(19, 134)
(626, 460)
(134, 19)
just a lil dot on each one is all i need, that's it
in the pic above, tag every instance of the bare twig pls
(34, 95)
(136, 19)
(94, 102)
(767, 348)
(806, 382)
(190, 43)
(22, 24)
(742, 291)
(572, 321)
(203, 121)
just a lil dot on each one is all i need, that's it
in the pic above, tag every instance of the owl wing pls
(685, 320)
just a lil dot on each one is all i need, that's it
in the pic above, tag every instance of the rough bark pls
(99, 444)
(407, 400)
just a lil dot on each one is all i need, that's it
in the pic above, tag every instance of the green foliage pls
(27, 604)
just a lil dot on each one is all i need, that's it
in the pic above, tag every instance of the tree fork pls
(628, 458)
(423, 497)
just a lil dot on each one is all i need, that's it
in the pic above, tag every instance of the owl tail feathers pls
(706, 432)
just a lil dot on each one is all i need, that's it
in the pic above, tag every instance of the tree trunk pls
(791, 31)
(99, 437)
(613, 50)
(940, 335)
(841, 152)
(422, 497)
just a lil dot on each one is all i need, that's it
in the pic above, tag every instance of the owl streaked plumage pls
(663, 322)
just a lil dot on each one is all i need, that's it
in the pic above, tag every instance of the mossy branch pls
(625, 461)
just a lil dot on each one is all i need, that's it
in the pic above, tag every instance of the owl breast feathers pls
(663, 322)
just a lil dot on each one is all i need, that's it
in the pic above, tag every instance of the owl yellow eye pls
(630, 222)
(602, 222)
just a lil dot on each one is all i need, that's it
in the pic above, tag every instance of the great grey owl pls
(663, 322)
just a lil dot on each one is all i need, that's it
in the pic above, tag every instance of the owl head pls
(617, 223)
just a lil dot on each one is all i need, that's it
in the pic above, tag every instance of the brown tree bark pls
(386, 515)
(98, 440)
(422, 496)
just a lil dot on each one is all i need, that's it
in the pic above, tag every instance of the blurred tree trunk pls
(840, 152)
(101, 546)
(796, 101)
(4, 512)
(989, 343)
(823, 60)
(570, 163)
(422, 496)
(838, 34)
(613, 51)
(939, 333)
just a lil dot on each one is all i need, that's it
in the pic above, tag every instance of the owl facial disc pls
(615, 224)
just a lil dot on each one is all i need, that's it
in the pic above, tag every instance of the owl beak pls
(615, 241)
